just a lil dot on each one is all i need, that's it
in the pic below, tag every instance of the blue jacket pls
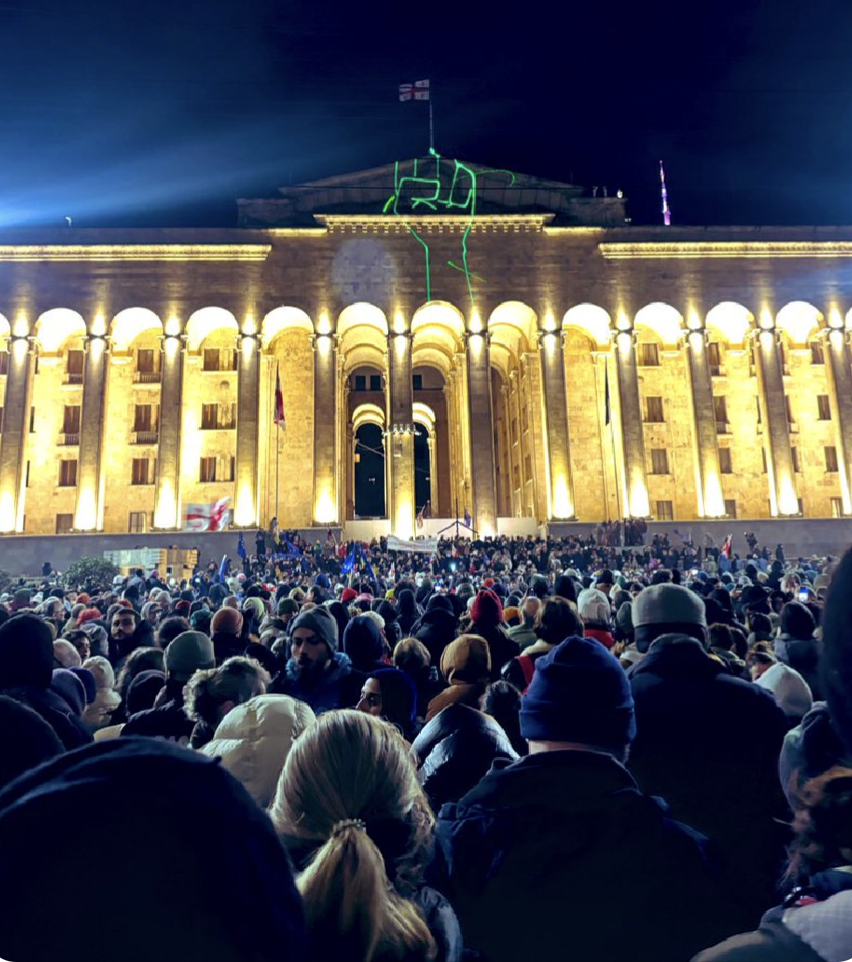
(339, 687)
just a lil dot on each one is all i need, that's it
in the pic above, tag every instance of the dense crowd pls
(564, 749)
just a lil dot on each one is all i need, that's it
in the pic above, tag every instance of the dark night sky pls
(163, 112)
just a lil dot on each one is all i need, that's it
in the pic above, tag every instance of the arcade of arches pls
(552, 407)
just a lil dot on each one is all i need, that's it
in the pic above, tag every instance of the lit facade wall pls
(130, 481)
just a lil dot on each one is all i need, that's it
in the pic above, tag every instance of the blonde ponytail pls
(352, 910)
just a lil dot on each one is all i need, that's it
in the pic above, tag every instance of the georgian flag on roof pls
(419, 90)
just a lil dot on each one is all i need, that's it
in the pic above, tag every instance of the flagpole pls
(431, 123)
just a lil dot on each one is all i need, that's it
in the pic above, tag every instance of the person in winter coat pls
(187, 830)
(98, 714)
(191, 651)
(797, 647)
(226, 628)
(594, 608)
(565, 840)
(708, 743)
(390, 694)
(142, 659)
(785, 684)
(358, 826)
(26, 674)
(317, 673)
(555, 620)
(211, 693)
(438, 626)
(456, 748)
(127, 632)
(254, 739)
(408, 611)
(524, 634)
(466, 666)
(486, 620)
(34, 741)
(364, 643)
(814, 923)
(412, 657)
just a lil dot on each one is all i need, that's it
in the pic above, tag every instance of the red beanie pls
(347, 595)
(88, 614)
(487, 608)
(488, 583)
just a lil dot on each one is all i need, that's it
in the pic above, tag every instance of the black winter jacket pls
(559, 857)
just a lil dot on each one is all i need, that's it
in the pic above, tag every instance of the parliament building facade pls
(536, 355)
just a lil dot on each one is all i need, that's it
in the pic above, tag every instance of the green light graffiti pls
(424, 191)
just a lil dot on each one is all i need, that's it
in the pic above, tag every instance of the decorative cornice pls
(430, 223)
(134, 252)
(698, 250)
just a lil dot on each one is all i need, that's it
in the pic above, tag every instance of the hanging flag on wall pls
(208, 517)
(278, 415)
(419, 90)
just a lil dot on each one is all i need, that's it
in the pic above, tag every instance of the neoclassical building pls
(517, 350)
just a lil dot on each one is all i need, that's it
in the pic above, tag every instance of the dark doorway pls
(369, 472)
(422, 479)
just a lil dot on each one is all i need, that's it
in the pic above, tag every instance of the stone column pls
(326, 507)
(88, 511)
(630, 422)
(167, 497)
(776, 431)
(515, 397)
(481, 434)
(246, 505)
(350, 469)
(431, 441)
(16, 424)
(838, 369)
(556, 417)
(400, 447)
(711, 501)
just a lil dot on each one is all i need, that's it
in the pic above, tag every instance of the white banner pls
(421, 546)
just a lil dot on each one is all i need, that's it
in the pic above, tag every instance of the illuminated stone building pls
(556, 362)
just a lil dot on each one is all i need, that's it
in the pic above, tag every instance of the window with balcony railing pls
(74, 361)
(714, 360)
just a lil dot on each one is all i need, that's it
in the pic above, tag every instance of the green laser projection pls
(416, 190)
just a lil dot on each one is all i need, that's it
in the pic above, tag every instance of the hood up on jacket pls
(254, 739)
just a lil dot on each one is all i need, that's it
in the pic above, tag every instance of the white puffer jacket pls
(254, 739)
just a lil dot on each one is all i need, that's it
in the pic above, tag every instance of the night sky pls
(161, 113)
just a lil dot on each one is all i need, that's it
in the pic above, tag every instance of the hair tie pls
(339, 827)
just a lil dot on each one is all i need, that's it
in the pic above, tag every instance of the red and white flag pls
(278, 414)
(420, 518)
(726, 547)
(208, 517)
(419, 90)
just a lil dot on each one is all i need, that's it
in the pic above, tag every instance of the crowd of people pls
(564, 749)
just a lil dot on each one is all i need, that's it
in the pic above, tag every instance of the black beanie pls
(26, 653)
(161, 801)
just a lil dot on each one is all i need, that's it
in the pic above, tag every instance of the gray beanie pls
(321, 622)
(187, 653)
(667, 608)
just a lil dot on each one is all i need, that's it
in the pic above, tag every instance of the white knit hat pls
(593, 605)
